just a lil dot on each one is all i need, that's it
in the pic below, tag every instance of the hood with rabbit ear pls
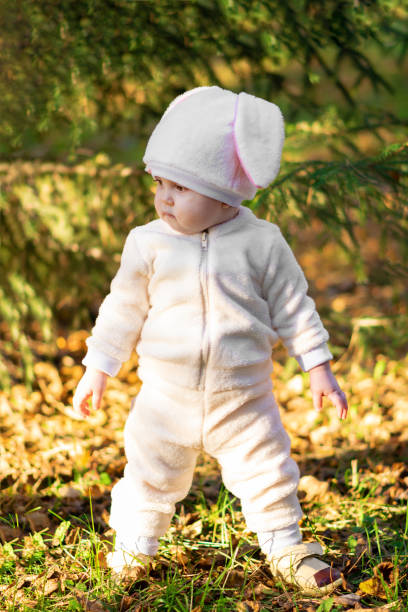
(259, 135)
(221, 144)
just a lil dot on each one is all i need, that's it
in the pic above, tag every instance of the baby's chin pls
(174, 224)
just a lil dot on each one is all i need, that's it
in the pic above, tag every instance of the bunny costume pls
(203, 312)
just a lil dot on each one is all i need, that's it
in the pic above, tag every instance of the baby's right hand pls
(93, 384)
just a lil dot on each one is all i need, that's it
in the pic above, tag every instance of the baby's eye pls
(181, 188)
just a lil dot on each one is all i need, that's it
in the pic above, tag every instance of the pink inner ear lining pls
(237, 148)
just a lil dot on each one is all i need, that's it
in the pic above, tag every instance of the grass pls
(56, 475)
(220, 568)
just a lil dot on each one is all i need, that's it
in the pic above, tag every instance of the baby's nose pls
(169, 200)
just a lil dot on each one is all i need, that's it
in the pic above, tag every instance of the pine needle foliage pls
(347, 195)
(71, 70)
(62, 229)
(82, 85)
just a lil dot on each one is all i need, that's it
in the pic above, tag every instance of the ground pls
(56, 473)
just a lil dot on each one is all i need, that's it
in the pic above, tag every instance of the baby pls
(203, 293)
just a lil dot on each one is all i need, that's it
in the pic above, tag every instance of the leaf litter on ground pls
(56, 474)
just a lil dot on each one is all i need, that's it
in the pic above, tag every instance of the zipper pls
(205, 345)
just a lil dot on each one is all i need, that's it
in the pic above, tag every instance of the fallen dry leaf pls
(372, 586)
(393, 606)
(193, 530)
(385, 574)
(7, 534)
(179, 555)
(51, 586)
(126, 603)
(248, 606)
(234, 578)
(89, 605)
(313, 487)
(348, 599)
(38, 521)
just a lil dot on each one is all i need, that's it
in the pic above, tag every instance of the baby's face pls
(187, 211)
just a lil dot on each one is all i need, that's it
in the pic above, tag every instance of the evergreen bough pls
(82, 85)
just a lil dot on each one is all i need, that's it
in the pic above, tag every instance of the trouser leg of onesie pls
(166, 429)
(244, 432)
(162, 440)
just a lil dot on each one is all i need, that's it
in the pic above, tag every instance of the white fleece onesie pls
(203, 312)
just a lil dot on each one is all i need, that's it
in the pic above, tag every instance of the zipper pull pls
(204, 240)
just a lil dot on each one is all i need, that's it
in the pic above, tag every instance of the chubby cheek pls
(193, 215)
(157, 205)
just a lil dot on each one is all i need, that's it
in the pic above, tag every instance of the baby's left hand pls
(323, 383)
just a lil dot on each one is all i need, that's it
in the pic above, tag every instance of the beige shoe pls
(298, 565)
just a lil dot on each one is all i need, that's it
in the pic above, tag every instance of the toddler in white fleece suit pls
(203, 293)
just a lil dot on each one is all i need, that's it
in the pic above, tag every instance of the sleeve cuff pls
(315, 357)
(100, 361)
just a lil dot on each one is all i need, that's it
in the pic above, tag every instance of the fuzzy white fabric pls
(219, 143)
(207, 316)
(204, 315)
(138, 545)
(168, 426)
(272, 542)
(259, 136)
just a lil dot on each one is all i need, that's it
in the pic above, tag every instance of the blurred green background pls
(82, 85)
